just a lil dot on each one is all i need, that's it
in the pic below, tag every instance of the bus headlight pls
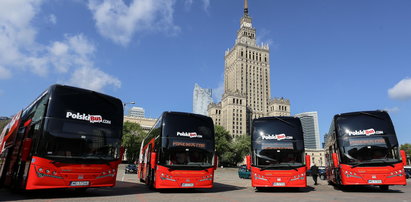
(297, 177)
(395, 174)
(259, 177)
(205, 178)
(47, 173)
(166, 177)
(351, 174)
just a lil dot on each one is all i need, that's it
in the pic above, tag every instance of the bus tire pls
(5, 167)
(151, 180)
(384, 187)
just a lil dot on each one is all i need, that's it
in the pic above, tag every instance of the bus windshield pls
(183, 156)
(79, 141)
(82, 125)
(188, 140)
(367, 138)
(278, 142)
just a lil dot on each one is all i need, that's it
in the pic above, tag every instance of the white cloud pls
(119, 22)
(4, 73)
(16, 33)
(219, 91)
(392, 110)
(52, 19)
(263, 37)
(76, 52)
(92, 78)
(206, 4)
(21, 52)
(189, 3)
(401, 90)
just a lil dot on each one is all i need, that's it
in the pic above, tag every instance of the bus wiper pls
(372, 162)
(98, 157)
(267, 167)
(288, 123)
(102, 159)
(294, 168)
(385, 162)
(279, 166)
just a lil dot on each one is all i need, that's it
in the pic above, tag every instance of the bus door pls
(146, 161)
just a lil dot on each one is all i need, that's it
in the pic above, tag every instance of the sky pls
(326, 56)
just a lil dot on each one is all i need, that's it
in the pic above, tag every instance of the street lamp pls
(126, 103)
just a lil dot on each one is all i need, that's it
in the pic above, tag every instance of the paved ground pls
(228, 187)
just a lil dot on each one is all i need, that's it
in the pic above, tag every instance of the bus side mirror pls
(26, 148)
(122, 151)
(403, 157)
(153, 160)
(308, 161)
(248, 162)
(335, 160)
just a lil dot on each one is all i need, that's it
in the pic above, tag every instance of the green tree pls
(223, 145)
(133, 135)
(241, 147)
(230, 151)
(407, 148)
(3, 123)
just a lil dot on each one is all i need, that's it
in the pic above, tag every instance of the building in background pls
(309, 121)
(202, 97)
(317, 156)
(247, 93)
(136, 112)
(145, 123)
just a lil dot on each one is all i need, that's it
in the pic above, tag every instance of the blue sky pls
(326, 56)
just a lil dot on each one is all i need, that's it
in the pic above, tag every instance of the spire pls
(245, 7)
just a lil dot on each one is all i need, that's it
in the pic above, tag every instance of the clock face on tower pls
(246, 24)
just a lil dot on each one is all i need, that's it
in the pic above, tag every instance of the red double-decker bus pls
(67, 138)
(362, 149)
(179, 152)
(277, 153)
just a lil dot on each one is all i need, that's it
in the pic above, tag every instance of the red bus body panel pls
(166, 178)
(386, 175)
(279, 178)
(61, 175)
(12, 126)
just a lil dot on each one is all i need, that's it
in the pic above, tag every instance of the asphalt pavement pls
(227, 187)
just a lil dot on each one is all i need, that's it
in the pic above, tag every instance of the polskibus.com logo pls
(88, 117)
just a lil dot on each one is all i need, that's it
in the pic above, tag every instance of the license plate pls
(279, 184)
(187, 185)
(79, 183)
(374, 181)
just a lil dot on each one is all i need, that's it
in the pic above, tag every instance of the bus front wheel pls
(151, 179)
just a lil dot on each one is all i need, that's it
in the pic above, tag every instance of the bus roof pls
(375, 112)
(54, 86)
(185, 114)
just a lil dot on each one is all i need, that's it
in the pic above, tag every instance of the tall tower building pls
(202, 97)
(246, 83)
(309, 121)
